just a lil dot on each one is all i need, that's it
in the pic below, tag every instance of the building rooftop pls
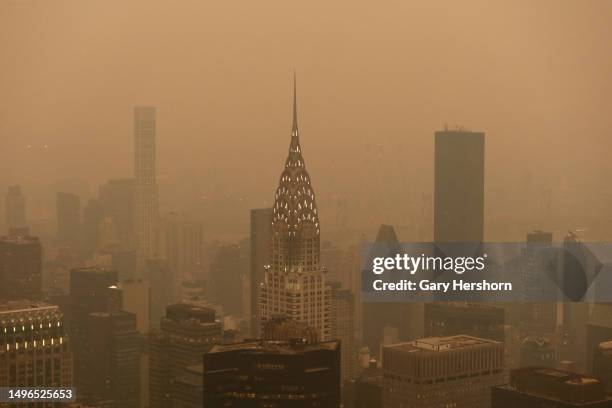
(439, 344)
(556, 385)
(97, 269)
(276, 347)
(18, 306)
(606, 347)
(19, 239)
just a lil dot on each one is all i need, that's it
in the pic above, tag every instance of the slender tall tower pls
(459, 186)
(294, 284)
(146, 186)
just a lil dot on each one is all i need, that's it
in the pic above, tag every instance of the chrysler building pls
(294, 283)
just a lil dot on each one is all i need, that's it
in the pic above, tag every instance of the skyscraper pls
(146, 208)
(35, 350)
(180, 240)
(20, 268)
(295, 285)
(227, 268)
(473, 319)
(15, 208)
(535, 387)
(90, 292)
(187, 332)
(456, 371)
(93, 214)
(117, 198)
(113, 362)
(261, 241)
(68, 218)
(343, 328)
(459, 186)
(273, 374)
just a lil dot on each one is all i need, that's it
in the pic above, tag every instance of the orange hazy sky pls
(375, 79)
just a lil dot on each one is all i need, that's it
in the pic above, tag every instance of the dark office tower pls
(93, 214)
(343, 329)
(186, 333)
(20, 268)
(474, 319)
(459, 186)
(273, 374)
(146, 194)
(366, 391)
(89, 293)
(188, 391)
(113, 362)
(295, 284)
(15, 208)
(227, 270)
(68, 218)
(602, 365)
(261, 244)
(537, 351)
(456, 371)
(158, 273)
(537, 387)
(34, 348)
(118, 200)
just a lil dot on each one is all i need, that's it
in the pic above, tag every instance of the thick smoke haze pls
(374, 83)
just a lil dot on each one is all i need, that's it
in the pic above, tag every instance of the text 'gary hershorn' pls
(413, 264)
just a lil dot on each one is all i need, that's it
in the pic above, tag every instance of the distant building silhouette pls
(272, 373)
(68, 219)
(15, 208)
(536, 387)
(455, 371)
(93, 215)
(228, 269)
(406, 317)
(261, 246)
(117, 197)
(459, 186)
(146, 193)
(180, 240)
(20, 268)
(35, 348)
(158, 273)
(295, 285)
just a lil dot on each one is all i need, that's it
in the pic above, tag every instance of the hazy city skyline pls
(373, 86)
(161, 245)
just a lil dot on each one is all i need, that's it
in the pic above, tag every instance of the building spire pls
(294, 130)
